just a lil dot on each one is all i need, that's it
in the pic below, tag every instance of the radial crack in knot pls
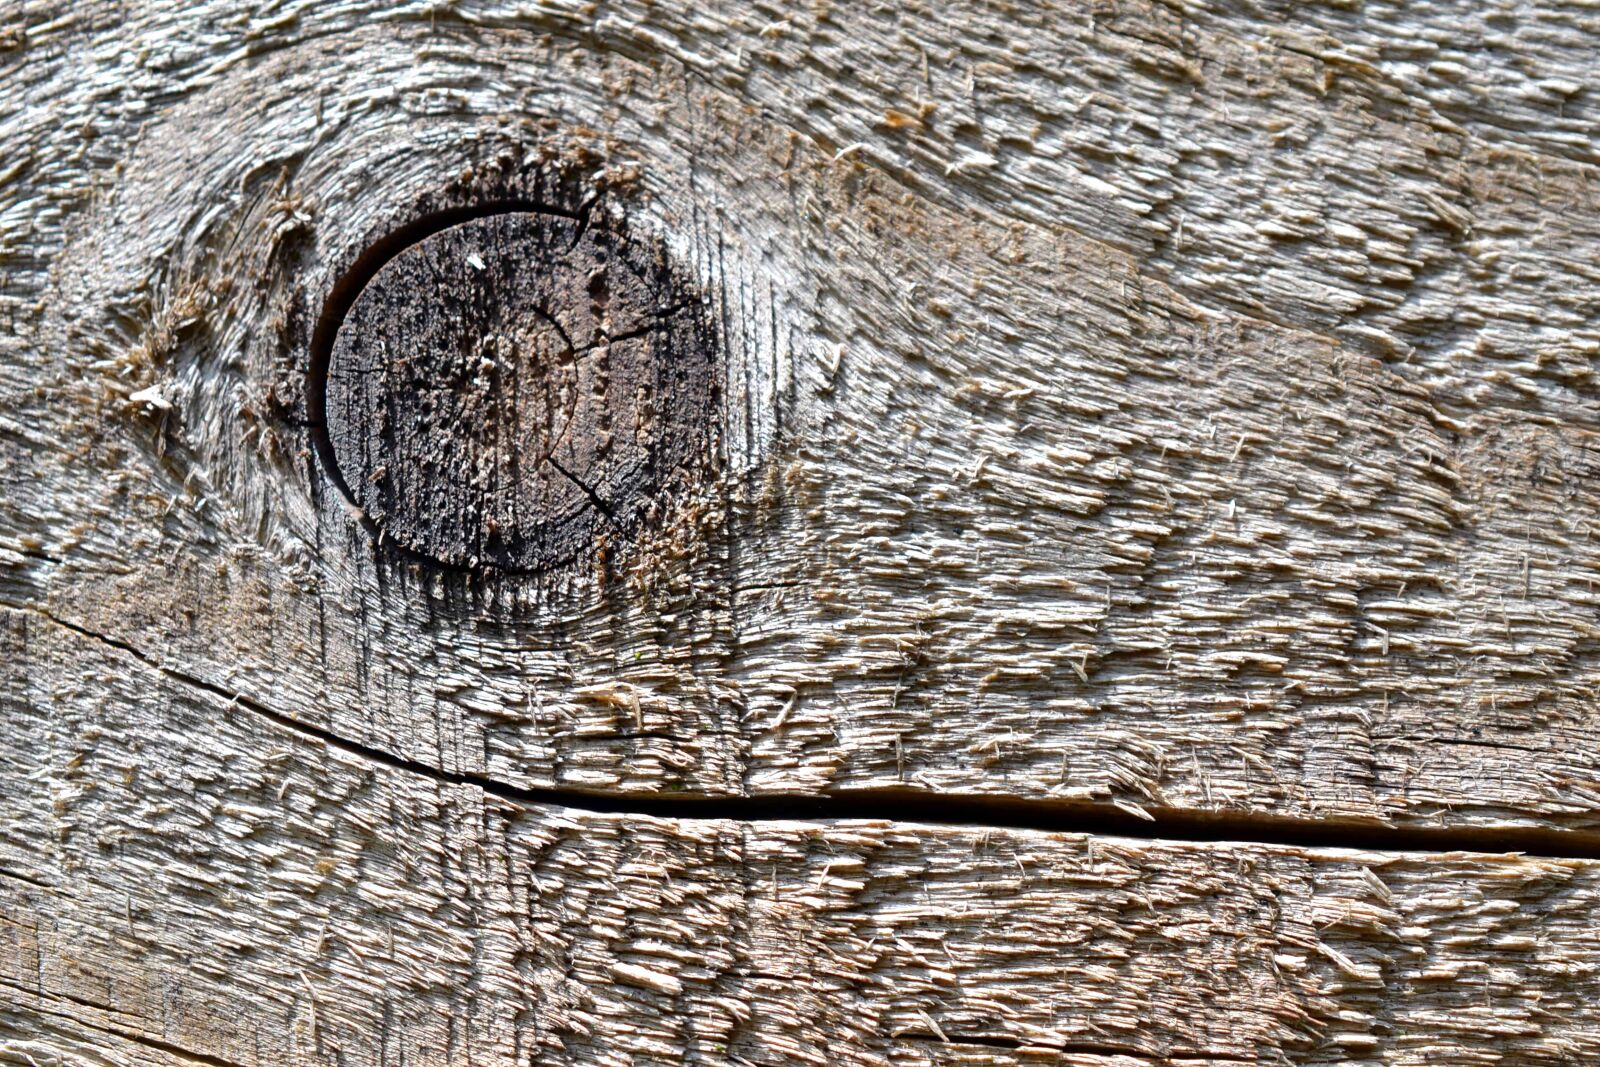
(502, 389)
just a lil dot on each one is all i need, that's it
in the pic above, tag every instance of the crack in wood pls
(1069, 1048)
(594, 498)
(137, 1037)
(1097, 1049)
(18, 876)
(914, 807)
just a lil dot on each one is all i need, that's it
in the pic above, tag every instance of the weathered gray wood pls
(40, 1042)
(177, 868)
(1123, 405)
(1162, 408)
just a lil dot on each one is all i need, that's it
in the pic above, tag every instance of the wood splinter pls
(506, 388)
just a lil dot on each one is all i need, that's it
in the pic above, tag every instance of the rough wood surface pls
(1185, 409)
(175, 868)
(1132, 409)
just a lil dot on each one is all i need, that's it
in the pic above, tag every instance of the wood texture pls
(177, 869)
(1171, 410)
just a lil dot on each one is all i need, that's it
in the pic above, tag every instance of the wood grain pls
(1161, 410)
(1165, 410)
(180, 872)
(1161, 418)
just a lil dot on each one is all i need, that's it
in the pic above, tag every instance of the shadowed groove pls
(914, 807)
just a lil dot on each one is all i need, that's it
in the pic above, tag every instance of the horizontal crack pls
(983, 1040)
(915, 807)
(18, 876)
(1069, 1048)
(136, 1037)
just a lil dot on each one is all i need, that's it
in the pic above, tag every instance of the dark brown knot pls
(505, 389)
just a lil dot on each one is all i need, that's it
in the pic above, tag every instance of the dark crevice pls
(658, 323)
(961, 1039)
(137, 1037)
(981, 1040)
(61, 994)
(1470, 742)
(1066, 1048)
(919, 808)
(1070, 1048)
(18, 876)
(594, 498)
(177, 1050)
(756, 587)
(583, 216)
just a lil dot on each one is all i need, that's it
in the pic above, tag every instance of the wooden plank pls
(1175, 411)
(178, 869)
(1145, 417)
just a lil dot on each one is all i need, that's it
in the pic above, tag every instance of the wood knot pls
(505, 389)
